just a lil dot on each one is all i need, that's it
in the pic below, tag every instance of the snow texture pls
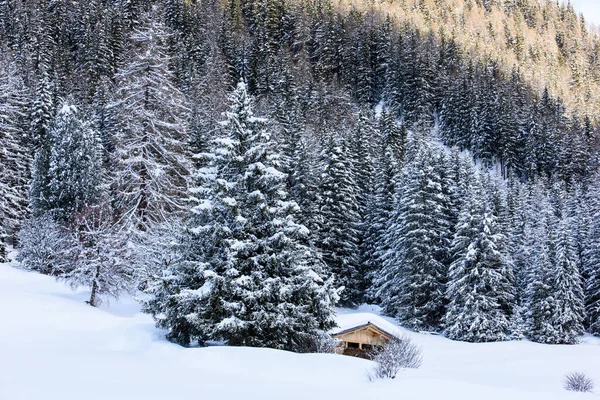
(55, 347)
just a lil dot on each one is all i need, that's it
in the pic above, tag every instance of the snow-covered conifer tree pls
(555, 289)
(362, 142)
(151, 165)
(480, 281)
(568, 317)
(386, 179)
(246, 276)
(591, 262)
(75, 164)
(14, 156)
(340, 222)
(414, 274)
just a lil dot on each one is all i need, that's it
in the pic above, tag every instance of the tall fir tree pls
(75, 164)
(339, 222)
(414, 273)
(247, 277)
(14, 151)
(67, 169)
(591, 260)
(555, 293)
(480, 283)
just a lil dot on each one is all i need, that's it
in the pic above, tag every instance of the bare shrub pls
(578, 382)
(398, 354)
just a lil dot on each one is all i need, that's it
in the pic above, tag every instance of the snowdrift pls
(53, 346)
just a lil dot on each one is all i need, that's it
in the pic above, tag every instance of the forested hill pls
(249, 163)
(545, 41)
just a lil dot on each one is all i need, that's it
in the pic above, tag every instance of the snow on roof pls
(353, 320)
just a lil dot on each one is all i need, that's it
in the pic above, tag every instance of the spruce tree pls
(387, 165)
(75, 164)
(569, 315)
(362, 168)
(592, 283)
(591, 261)
(246, 277)
(555, 289)
(339, 222)
(414, 273)
(14, 152)
(480, 277)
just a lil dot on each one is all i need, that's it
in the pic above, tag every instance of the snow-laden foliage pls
(14, 157)
(75, 164)
(151, 161)
(414, 273)
(246, 276)
(591, 261)
(398, 354)
(389, 160)
(103, 261)
(351, 171)
(339, 222)
(479, 278)
(555, 288)
(45, 246)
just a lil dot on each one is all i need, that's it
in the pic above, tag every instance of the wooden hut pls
(360, 340)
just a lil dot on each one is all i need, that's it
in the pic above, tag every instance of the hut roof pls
(356, 321)
(359, 327)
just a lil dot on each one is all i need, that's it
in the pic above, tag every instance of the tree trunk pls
(93, 296)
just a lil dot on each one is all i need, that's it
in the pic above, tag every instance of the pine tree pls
(43, 107)
(246, 277)
(75, 164)
(301, 163)
(521, 220)
(592, 283)
(479, 278)
(362, 168)
(414, 273)
(14, 154)
(339, 224)
(590, 260)
(568, 317)
(418, 92)
(539, 292)
(555, 292)
(150, 160)
(388, 165)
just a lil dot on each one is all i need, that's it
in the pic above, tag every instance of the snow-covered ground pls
(53, 346)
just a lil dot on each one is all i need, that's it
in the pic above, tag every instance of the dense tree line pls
(253, 164)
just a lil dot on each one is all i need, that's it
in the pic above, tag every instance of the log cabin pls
(360, 340)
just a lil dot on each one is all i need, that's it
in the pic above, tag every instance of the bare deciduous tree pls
(398, 354)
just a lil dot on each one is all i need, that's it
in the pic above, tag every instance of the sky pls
(590, 10)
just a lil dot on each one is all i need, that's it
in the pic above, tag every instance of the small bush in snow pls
(397, 354)
(104, 263)
(45, 246)
(578, 382)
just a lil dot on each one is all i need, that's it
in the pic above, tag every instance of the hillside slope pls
(547, 41)
(55, 347)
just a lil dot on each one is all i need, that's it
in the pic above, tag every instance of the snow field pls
(54, 346)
